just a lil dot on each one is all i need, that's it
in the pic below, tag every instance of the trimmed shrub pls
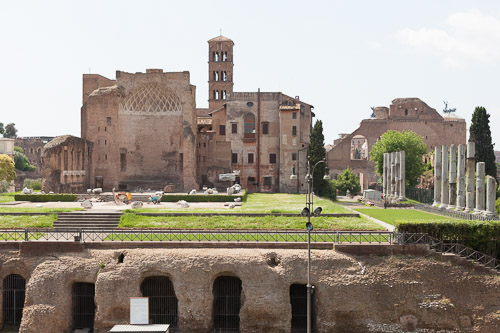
(482, 236)
(204, 197)
(35, 184)
(497, 205)
(45, 197)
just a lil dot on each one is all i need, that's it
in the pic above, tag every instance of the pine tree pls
(317, 152)
(480, 133)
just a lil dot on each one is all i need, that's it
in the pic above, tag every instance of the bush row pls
(482, 236)
(203, 197)
(45, 197)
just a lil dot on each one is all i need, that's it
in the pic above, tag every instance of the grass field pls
(246, 222)
(27, 221)
(391, 216)
(263, 203)
(37, 210)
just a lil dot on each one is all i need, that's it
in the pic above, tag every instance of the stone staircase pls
(84, 220)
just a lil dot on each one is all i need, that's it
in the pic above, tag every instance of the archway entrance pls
(83, 307)
(227, 303)
(13, 299)
(163, 305)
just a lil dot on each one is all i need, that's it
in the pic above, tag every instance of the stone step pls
(89, 226)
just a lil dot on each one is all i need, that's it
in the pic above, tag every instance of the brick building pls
(404, 114)
(32, 147)
(143, 131)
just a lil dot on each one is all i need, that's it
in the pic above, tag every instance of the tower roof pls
(220, 39)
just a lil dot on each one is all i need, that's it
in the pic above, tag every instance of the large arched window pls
(163, 305)
(227, 303)
(13, 299)
(83, 306)
(249, 126)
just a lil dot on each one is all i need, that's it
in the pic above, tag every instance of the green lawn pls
(36, 210)
(246, 222)
(27, 221)
(263, 203)
(391, 216)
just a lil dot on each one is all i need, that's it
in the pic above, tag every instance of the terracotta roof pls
(220, 39)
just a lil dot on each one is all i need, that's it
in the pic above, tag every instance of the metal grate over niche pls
(152, 98)
(13, 299)
(163, 304)
(227, 303)
(83, 306)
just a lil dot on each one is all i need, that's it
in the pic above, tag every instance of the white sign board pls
(139, 310)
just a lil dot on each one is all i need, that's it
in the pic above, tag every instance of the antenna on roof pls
(446, 110)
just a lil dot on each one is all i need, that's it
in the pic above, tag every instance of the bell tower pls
(220, 70)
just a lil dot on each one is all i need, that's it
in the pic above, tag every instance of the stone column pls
(444, 177)
(402, 175)
(393, 174)
(452, 180)
(491, 192)
(384, 175)
(479, 188)
(461, 178)
(470, 172)
(396, 176)
(437, 176)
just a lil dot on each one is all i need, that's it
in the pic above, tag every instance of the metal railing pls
(454, 214)
(448, 247)
(187, 235)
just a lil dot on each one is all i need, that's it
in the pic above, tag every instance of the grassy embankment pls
(392, 216)
(256, 203)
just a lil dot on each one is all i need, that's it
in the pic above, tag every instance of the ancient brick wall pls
(32, 147)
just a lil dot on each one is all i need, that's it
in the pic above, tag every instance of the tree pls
(10, 131)
(21, 160)
(414, 147)
(2, 130)
(7, 168)
(317, 152)
(480, 133)
(347, 180)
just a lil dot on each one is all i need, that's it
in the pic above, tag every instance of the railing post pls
(26, 235)
(81, 235)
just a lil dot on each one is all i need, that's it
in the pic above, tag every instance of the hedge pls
(45, 197)
(203, 197)
(482, 236)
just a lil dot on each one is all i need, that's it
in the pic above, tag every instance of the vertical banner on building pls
(139, 310)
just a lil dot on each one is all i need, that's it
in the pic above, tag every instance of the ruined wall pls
(421, 119)
(66, 162)
(387, 293)
(144, 131)
(32, 147)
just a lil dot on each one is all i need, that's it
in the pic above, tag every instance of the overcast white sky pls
(340, 56)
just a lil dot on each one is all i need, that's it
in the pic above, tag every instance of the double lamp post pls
(307, 212)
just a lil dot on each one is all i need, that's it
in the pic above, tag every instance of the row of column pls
(394, 177)
(454, 183)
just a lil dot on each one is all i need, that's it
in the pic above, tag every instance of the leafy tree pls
(10, 131)
(7, 168)
(393, 141)
(317, 152)
(21, 160)
(347, 180)
(2, 130)
(480, 133)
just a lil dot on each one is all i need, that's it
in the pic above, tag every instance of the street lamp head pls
(326, 176)
(317, 211)
(309, 226)
(305, 212)
(308, 177)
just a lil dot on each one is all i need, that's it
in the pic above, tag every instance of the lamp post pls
(309, 226)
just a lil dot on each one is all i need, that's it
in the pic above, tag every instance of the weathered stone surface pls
(402, 175)
(87, 204)
(408, 322)
(461, 178)
(437, 176)
(136, 204)
(344, 297)
(480, 167)
(470, 182)
(452, 179)
(445, 195)
(491, 187)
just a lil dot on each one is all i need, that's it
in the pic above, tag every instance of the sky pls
(340, 56)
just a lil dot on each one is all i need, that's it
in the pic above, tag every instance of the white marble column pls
(384, 175)
(396, 178)
(470, 173)
(491, 193)
(452, 177)
(393, 175)
(402, 175)
(479, 188)
(461, 178)
(437, 176)
(444, 177)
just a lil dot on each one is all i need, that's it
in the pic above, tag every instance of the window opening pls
(216, 58)
(123, 159)
(223, 93)
(234, 128)
(294, 156)
(298, 300)
(406, 112)
(224, 77)
(234, 158)
(268, 181)
(108, 121)
(163, 304)
(13, 299)
(265, 128)
(250, 158)
(272, 158)
(227, 303)
(83, 306)
(294, 115)
(294, 130)
(222, 129)
(249, 126)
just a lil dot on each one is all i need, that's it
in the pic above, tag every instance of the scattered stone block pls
(136, 204)
(192, 192)
(86, 204)
(27, 190)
